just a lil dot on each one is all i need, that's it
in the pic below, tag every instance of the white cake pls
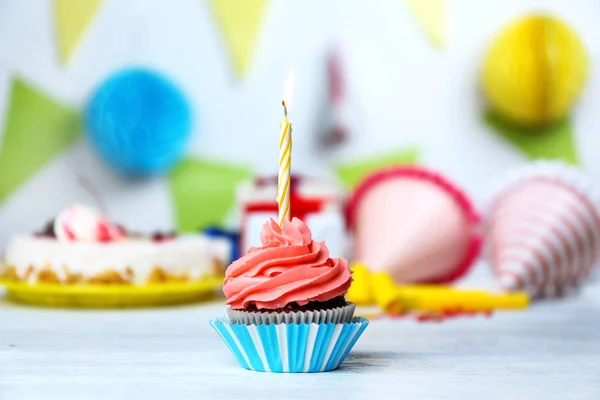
(30, 258)
(118, 259)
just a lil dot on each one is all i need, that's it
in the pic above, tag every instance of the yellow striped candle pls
(285, 156)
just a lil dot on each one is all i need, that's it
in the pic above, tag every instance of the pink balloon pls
(414, 224)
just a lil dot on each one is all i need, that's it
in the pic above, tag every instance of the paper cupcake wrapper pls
(424, 174)
(337, 315)
(290, 347)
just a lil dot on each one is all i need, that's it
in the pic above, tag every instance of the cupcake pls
(288, 311)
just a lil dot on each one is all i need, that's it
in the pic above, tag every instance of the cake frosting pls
(134, 261)
(289, 267)
(82, 246)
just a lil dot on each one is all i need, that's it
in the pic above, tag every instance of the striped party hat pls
(543, 229)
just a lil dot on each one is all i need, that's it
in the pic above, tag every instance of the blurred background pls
(375, 82)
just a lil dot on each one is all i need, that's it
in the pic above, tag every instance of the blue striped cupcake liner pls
(290, 347)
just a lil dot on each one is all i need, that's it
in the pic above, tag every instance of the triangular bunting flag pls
(37, 129)
(72, 17)
(431, 15)
(239, 22)
(203, 192)
(350, 174)
(555, 142)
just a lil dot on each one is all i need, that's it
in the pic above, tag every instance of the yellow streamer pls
(380, 289)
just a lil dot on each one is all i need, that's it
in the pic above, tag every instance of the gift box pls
(319, 203)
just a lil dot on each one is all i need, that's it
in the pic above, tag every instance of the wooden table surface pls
(551, 351)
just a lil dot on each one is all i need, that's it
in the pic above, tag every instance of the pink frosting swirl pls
(289, 267)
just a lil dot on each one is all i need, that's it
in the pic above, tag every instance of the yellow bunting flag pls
(72, 17)
(239, 21)
(431, 15)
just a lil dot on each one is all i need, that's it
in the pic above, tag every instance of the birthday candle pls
(285, 155)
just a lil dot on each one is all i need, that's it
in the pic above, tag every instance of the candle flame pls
(288, 91)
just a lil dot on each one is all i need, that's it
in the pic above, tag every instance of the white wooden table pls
(551, 351)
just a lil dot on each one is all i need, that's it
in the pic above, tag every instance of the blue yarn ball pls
(139, 122)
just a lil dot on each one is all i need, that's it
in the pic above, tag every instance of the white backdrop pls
(402, 91)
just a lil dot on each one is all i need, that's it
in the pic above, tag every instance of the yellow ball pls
(534, 71)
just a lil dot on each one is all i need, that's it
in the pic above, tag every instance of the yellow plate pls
(114, 296)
